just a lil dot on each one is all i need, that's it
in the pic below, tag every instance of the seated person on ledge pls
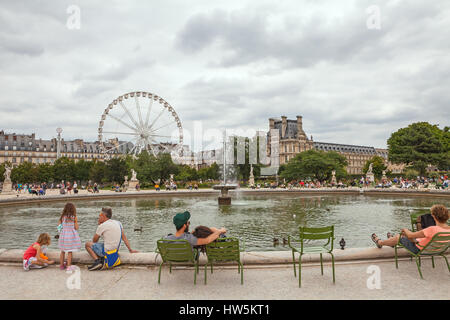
(181, 222)
(415, 241)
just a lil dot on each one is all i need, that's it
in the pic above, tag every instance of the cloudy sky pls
(228, 64)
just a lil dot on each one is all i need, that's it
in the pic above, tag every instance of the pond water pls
(255, 219)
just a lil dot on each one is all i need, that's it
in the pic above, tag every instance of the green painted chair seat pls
(177, 251)
(437, 246)
(224, 250)
(323, 233)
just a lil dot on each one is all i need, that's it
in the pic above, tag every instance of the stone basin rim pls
(209, 192)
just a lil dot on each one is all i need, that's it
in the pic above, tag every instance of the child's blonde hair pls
(44, 239)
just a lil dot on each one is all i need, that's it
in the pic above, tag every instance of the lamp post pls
(58, 146)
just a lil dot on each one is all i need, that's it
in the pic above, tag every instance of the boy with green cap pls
(181, 222)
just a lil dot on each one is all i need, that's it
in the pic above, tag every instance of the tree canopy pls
(419, 145)
(315, 164)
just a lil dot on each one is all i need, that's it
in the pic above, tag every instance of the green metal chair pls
(324, 233)
(224, 250)
(413, 218)
(437, 246)
(177, 252)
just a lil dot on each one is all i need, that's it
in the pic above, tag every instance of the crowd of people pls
(40, 189)
(441, 182)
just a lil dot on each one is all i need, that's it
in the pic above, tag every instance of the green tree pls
(419, 145)
(378, 166)
(115, 170)
(26, 172)
(186, 173)
(315, 164)
(213, 171)
(165, 166)
(64, 169)
(45, 172)
(97, 172)
(82, 169)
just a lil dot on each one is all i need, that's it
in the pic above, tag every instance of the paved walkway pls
(260, 283)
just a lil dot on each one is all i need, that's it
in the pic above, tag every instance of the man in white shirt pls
(112, 233)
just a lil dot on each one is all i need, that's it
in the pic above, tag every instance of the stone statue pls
(133, 175)
(7, 184)
(7, 173)
(333, 177)
(251, 180)
(126, 180)
(369, 175)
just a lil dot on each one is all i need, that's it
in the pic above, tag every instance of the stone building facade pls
(293, 140)
(19, 148)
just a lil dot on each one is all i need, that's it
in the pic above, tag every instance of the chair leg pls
(170, 268)
(332, 264)
(195, 274)
(206, 271)
(420, 261)
(418, 266)
(159, 273)
(446, 261)
(396, 259)
(242, 274)
(300, 271)
(293, 260)
(321, 264)
(211, 268)
(432, 261)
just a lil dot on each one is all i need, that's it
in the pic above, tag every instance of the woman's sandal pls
(374, 236)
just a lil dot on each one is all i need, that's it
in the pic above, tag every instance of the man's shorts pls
(99, 249)
(408, 244)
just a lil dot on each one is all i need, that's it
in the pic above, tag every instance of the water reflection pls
(257, 220)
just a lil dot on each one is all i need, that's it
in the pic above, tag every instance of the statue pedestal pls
(224, 200)
(370, 177)
(7, 188)
(132, 185)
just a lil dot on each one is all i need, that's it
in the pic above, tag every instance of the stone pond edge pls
(247, 258)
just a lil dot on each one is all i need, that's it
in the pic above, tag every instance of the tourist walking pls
(69, 240)
(112, 233)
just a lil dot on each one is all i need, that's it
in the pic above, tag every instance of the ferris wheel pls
(138, 121)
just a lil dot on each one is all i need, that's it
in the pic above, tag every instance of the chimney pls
(300, 133)
(271, 123)
(283, 126)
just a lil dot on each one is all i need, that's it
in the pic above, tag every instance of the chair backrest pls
(175, 250)
(223, 249)
(413, 217)
(322, 233)
(437, 245)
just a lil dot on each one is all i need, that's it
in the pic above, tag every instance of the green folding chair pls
(324, 233)
(437, 246)
(413, 218)
(177, 252)
(224, 250)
